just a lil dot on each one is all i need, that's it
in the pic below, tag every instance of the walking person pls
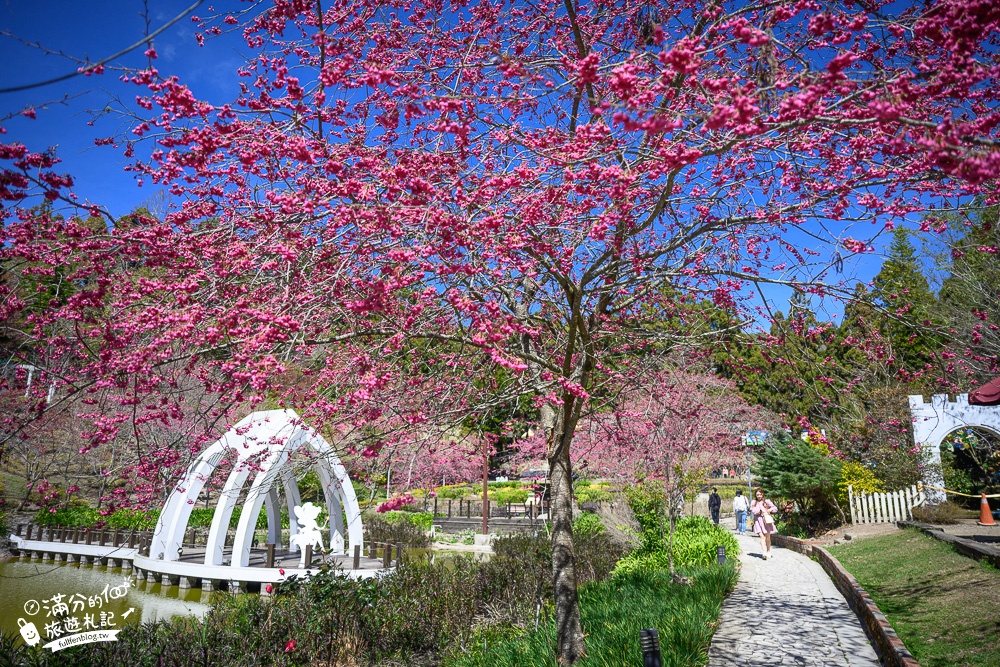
(763, 521)
(740, 508)
(714, 505)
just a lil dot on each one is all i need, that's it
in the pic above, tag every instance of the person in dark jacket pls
(714, 505)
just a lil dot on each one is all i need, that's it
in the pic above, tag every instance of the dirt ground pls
(856, 532)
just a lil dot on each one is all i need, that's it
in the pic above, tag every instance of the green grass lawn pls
(944, 606)
(13, 488)
(613, 613)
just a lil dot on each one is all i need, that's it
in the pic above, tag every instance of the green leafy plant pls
(792, 469)
(860, 478)
(77, 515)
(202, 517)
(134, 519)
(454, 491)
(593, 493)
(504, 496)
(587, 523)
(511, 484)
(397, 527)
(955, 478)
(695, 543)
(421, 520)
(613, 613)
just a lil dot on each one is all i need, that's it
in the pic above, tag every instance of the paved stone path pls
(787, 611)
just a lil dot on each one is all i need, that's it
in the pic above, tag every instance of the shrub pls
(726, 491)
(77, 515)
(793, 526)
(202, 517)
(133, 519)
(792, 469)
(955, 478)
(613, 613)
(649, 508)
(454, 491)
(394, 527)
(595, 555)
(945, 513)
(421, 520)
(595, 493)
(695, 542)
(587, 523)
(504, 496)
(860, 478)
(513, 484)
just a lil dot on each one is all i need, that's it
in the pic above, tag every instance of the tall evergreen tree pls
(789, 370)
(970, 295)
(907, 322)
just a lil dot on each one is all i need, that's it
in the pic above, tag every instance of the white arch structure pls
(934, 421)
(263, 443)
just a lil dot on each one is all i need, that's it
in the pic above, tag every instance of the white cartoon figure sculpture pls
(309, 532)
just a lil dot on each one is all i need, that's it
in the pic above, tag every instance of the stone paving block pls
(787, 611)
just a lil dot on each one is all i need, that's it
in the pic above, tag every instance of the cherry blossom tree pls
(404, 196)
(673, 427)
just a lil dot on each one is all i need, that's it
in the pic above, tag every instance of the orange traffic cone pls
(985, 517)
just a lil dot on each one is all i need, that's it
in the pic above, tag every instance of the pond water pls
(30, 590)
(27, 587)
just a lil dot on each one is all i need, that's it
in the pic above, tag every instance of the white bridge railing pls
(885, 507)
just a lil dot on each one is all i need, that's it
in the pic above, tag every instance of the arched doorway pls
(935, 421)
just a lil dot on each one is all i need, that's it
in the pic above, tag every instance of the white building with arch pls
(935, 421)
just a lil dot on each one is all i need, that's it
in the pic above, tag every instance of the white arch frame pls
(264, 443)
(934, 421)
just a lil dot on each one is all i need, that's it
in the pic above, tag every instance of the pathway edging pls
(962, 545)
(890, 648)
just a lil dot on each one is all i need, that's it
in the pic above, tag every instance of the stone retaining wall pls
(889, 646)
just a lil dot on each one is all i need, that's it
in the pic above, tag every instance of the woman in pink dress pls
(763, 511)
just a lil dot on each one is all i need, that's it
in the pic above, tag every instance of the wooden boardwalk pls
(189, 569)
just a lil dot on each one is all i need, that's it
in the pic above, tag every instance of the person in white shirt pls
(740, 507)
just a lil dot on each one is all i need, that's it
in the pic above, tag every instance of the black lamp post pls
(650, 641)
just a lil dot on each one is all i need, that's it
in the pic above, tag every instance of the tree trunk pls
(569, 632)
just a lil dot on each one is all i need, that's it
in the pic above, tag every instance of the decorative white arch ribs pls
(934, 421)
(263, 444)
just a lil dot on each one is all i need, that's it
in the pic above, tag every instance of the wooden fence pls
(885, 507)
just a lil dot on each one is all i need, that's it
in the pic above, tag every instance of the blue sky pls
(95, 30)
